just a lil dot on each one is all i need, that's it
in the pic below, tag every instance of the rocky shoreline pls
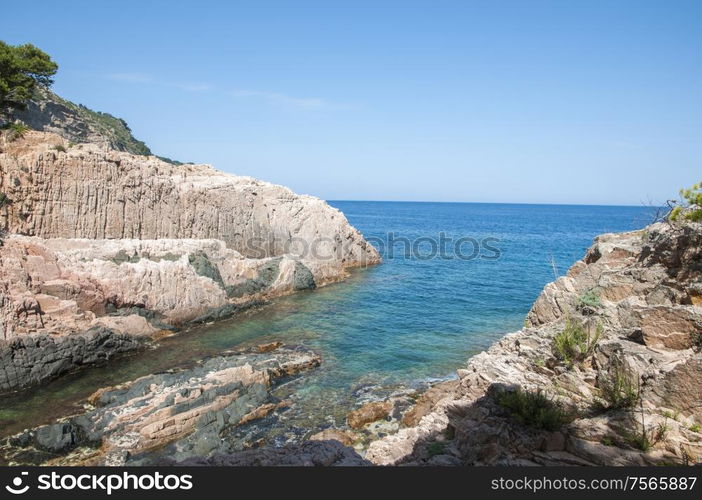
(631, 398)
(179, 414)
(106, 250)
(644, 328)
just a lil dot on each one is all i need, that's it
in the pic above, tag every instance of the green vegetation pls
(22, 68)
(174, 162)
(59, 148)
(575, 343)
(608, 441)
(644, 438)
(169, 160)
(641, 440)
(661, 431)
(695, 427)
(26, 73)
(112, 127)
(534, 409)
(672, 415)
(588, 302)
(15, 130)
(619, 387)
(697, 341)
(691, 208)
(4, 200)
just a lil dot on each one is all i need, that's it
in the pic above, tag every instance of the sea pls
(455, 277)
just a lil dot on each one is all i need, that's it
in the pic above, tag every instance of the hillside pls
(48, 112)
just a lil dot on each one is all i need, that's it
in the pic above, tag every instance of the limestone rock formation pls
(642, 289)
(90, 192)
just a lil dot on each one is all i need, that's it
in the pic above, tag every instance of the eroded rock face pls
(31, 359)
(178, 414)
(129, 286)
(641, 288)
(128, 291)
(90, 192)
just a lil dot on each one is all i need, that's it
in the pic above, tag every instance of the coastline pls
(448, 422)
(647, 314)
(114, 245)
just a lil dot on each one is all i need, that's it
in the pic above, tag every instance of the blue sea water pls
(408, 319)
(416, 316)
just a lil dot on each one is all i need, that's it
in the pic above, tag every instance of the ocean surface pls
(455, 277)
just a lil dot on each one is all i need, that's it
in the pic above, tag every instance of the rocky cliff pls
(605, 372)
(86, 191)
(124, 246)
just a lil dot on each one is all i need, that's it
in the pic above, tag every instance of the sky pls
(583, 102)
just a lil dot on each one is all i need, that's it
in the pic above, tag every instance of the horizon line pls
(502, 203)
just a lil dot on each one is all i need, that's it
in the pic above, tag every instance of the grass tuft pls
(644, 438)
(436, 448)
(619, 387)
(575, 343)
(15, 130)
(588, 303)
(4, 200)
(534, 409)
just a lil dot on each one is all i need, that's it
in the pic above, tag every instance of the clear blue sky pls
(516, 101)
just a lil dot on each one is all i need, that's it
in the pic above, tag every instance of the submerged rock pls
(307, 454)
(346, 438)
(369, 412)
(178, 414)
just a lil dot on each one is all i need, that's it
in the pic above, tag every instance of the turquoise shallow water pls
(402, 322)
